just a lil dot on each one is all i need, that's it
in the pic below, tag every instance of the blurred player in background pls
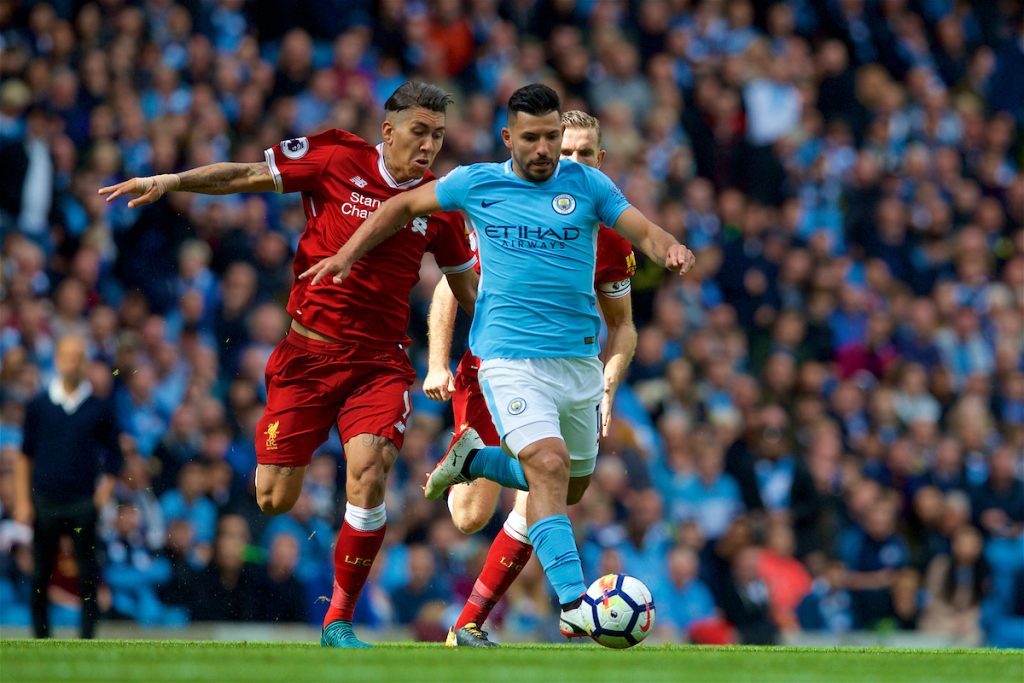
(344, 360)
(537, 221)
(473, 503)
(66, 474)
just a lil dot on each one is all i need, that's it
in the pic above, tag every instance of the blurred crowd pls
(823, 426)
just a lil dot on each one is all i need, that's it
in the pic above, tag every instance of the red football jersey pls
(343, 180)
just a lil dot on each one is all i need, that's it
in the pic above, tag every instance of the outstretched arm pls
(219, 178)
(618, 316)
(389, 218)
(660, 247)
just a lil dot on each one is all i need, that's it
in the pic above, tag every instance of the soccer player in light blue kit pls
(536, 325)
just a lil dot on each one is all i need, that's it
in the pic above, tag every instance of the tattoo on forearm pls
(216, 178)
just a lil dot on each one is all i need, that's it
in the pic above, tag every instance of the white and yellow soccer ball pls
(621, 609)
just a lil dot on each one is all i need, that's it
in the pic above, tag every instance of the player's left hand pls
(610, 387)
(679, 258)
(335, 267)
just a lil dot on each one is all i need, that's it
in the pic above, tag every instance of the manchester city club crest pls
(516, 406)
(564, 204)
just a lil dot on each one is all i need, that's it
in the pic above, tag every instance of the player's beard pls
(527, 170)
(532, 175)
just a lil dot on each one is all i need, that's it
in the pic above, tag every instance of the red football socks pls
(505, 560)
(353, 557)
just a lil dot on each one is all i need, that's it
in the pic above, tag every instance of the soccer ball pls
(621, 609)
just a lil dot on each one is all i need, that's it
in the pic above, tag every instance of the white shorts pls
(538, 398)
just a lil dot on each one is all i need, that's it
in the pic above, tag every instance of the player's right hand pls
(439, 384)
(679, 258)
(149, 188)
(335, 267)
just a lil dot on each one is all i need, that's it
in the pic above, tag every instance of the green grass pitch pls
(154, 661)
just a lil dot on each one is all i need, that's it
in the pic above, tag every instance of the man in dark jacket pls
(67, 472)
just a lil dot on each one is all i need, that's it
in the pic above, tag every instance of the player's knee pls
(275, 502)
(551, 465)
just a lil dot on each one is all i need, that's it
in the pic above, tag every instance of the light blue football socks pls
(555, 546)
(491, 462)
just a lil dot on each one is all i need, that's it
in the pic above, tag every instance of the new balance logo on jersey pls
(419, 225)
(356, 180)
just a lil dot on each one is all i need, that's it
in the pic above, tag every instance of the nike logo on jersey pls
(484, 203)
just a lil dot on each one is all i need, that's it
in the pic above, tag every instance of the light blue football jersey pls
(537, 244)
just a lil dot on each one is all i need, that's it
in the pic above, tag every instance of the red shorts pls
(468, 402)
(312, 385)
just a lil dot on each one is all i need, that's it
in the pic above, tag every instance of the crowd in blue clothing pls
(822, 428)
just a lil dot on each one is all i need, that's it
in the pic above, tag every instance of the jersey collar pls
(386, 174)
(69, 402)
(510, 171)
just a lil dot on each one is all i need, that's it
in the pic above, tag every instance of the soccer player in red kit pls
(343, 361)
(473, 504)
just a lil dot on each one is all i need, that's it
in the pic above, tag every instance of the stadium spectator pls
(955, 585)
(281, 594)
(786, 578)
(827, 607)
(311, 534)
(424, 586)
(684, 600)
(745, 600)
(707, 495)
(873, 554)
(224, 590)
(998, 503)
(133, 573)
(189, 502)
(134, 487)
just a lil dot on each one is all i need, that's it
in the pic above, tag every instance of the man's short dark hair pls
(415, 94)
(535, 99)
